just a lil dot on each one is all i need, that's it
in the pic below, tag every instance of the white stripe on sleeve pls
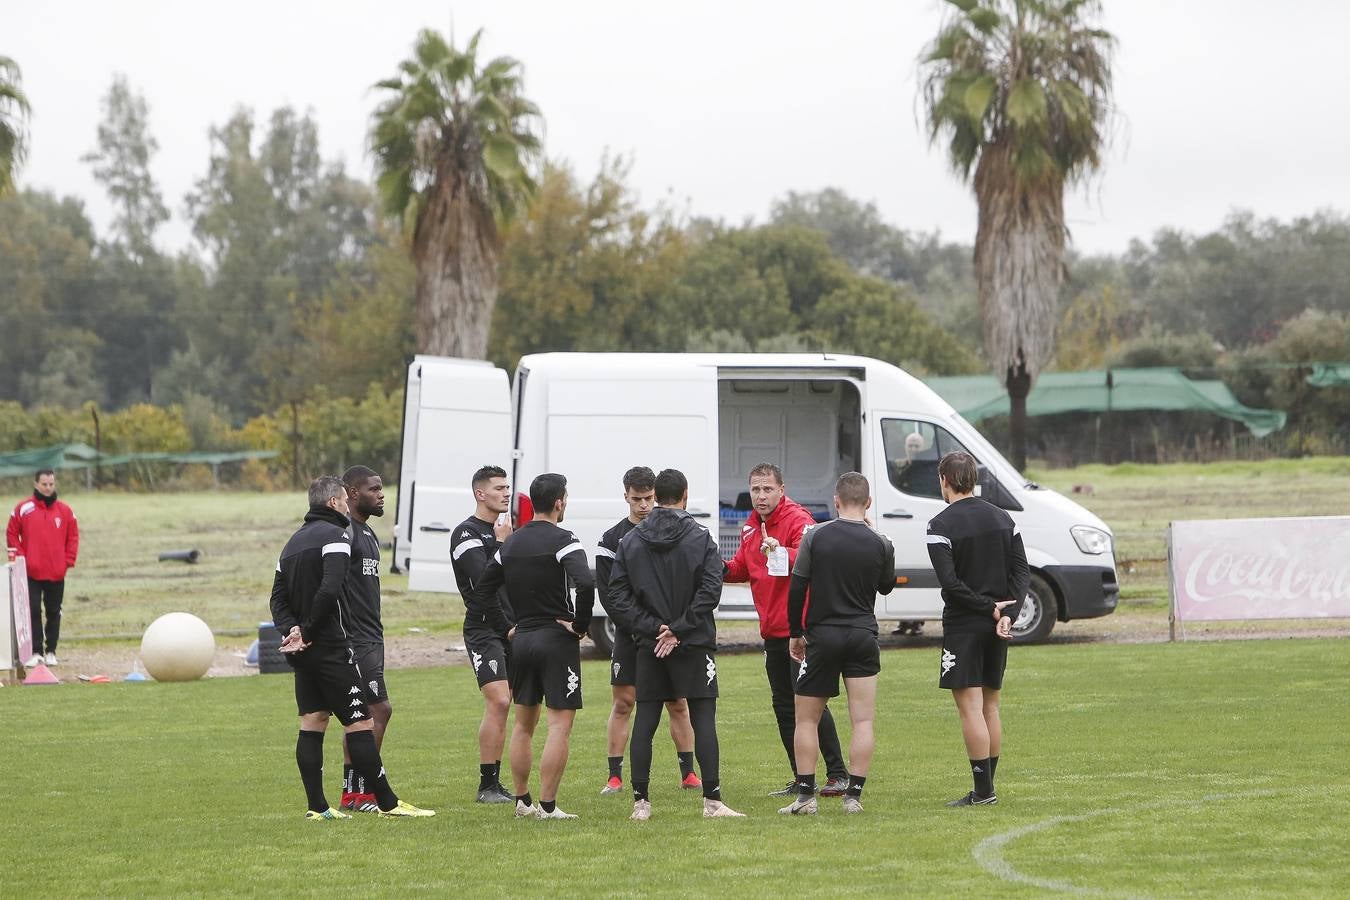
(569, 549)
(938, 539)
(278, 565)
(498, 557)
(337, 547)
(602, 550)
(465, 548)
(1017, 529)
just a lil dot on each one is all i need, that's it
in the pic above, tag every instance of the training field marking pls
(988, 853)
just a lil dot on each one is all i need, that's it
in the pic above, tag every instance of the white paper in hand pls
(778, 561)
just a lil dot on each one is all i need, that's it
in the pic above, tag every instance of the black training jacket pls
(362, 590)
(538, 564)
(604, 558)
(667, 572)
(977, 553)
(307, 589)
(472, 546)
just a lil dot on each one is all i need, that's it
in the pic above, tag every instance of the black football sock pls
(686, 762)
(548, 806)
(348, 778)
(486, 777)
(993, 767)
(640, 789)
(525, 798)
(806, 786)
(309, 757)
(616, 767)
(855, 785)
(497, 772)
(984, 781)
(366, 760)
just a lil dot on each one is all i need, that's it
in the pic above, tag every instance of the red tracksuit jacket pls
(46, 536)
(770, 592)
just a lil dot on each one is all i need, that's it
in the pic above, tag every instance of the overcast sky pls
(723, 106)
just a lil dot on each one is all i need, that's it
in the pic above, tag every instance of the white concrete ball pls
(178, 647)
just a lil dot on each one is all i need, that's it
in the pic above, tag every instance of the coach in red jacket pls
(769, 541)
(42, 530)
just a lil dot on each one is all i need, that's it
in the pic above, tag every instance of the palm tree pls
(14, 111)
(1022, 91)
(454, 146)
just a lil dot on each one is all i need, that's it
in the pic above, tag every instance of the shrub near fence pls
(317, 435)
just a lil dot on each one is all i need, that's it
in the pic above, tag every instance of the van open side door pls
(458, 418)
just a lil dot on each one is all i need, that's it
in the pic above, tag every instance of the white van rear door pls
(906, 450)
(463, 423)
(630, 411)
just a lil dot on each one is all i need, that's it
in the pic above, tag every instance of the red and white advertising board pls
(1281, 568)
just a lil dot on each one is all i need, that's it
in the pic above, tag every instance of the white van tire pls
(602, 632)
(1039, 613)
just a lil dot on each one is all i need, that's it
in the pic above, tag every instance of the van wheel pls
(602, 632)
(1039, 613)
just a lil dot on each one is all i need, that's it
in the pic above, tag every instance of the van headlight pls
(1091, 540)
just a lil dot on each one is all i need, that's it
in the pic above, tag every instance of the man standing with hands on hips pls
(977, 553)
(769, 541)
(42, 529)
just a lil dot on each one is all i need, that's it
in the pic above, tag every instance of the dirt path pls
(407, 651)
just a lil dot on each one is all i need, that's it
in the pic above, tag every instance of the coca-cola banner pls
(1260, 568)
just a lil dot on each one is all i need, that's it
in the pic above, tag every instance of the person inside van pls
(917, 472)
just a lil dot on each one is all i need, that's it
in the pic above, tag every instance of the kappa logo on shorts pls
(617, 667)
(354, 690)
(712, 668)
(492, 664)
(358, 715)
(802, 671)
(356, 702)
(477, 659)
(948, 660)
(573, 681)
(375, 688)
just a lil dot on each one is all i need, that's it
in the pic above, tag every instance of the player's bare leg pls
(862, 704)
(805, 750)
(553, 761)
(975, 733)
(522, 758)
(491, 738)
(994, 723)
(682, 733)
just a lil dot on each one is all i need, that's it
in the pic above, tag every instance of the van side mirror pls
(990, 489)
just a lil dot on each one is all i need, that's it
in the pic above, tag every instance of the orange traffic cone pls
(40, 674)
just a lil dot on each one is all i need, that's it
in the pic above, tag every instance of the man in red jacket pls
(42, 530)
(769, 541)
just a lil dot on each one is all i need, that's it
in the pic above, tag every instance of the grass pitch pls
(1211, 769)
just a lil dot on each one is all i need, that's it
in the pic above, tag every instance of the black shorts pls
(546, 668)
(489, 654)
(832, 651)
(623, 661)
(973, 660)
(687, 672)
(327, 680)
(370, 666)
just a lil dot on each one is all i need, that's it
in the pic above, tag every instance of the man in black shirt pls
(844, 564)
(472, 545)
(365, 498)
(665, 585)
(639, 492)
(309, 608)
(977, 553)
(535, 566)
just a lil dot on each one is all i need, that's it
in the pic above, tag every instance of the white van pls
(713, 416)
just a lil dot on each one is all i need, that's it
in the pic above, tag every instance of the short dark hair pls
(852, 489)
(40, 472)
(325, 488)
(671, 486)
(639, 478)
(960, 471)
(768, 468)
(546, 490)
(486, 474)
(358, 475)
